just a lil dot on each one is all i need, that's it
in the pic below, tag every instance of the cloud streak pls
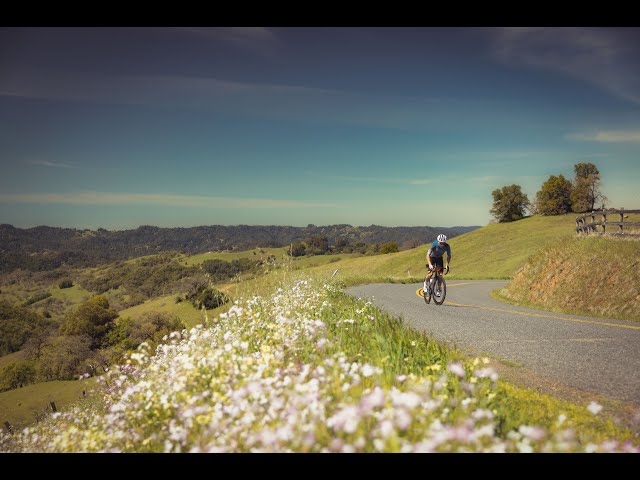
(607, 136)
(47, 163)
(398, 181)
(125, 199)
(213, 95)
(607, 58)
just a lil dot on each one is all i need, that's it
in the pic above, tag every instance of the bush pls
(66, 283)
(36, 298)
(297, 249)
(390, 247)
(210, 298)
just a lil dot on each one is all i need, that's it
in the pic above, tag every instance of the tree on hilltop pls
(554, 197)
(586, 191)
(509, 203)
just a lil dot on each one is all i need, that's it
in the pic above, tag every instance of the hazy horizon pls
(117, 127)
(242, 224)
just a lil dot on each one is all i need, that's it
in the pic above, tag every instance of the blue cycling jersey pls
(438, 251)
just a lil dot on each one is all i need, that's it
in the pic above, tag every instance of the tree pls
(297, 249)
(554, 197)
(17, 375)
(390, 247)
(17, 324)
(93, 318)
(63, 359)
(317, 245)
(509, 203)
(37, 342)
(586, 192)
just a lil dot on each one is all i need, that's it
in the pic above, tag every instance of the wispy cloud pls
(607, 136)
(107, 198)
(47, 163)
(213, 95)
(365, 179)
(607, 58)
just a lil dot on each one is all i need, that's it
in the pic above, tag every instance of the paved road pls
(591, 354)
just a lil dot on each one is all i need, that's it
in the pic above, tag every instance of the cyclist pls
(435, 257)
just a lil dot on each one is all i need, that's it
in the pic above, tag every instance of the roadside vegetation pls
(310, 369)
(592, 276)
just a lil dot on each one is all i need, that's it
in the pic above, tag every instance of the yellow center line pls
(547, 316)
(607, 324)
(419, 291)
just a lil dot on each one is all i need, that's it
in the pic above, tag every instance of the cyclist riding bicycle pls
(435, 257)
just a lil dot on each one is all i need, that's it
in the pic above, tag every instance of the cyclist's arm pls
(429, 258)
(448, 255)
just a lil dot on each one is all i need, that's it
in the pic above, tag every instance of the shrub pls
(36, 298)
(66, 283)
(210, 298)
(390, 247)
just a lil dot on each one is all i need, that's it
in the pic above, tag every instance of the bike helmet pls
(442, 238)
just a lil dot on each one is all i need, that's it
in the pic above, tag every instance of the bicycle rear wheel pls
(442, 286)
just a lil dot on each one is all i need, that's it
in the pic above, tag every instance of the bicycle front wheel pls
(441, 291)
(427, 295)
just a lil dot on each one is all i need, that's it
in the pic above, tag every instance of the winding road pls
(590, 354)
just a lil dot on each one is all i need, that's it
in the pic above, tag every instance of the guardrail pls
(583, 226)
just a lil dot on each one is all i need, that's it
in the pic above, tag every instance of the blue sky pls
(121, 127)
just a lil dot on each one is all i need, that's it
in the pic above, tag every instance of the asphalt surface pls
(591, 354)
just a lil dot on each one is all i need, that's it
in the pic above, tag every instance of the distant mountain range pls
(45, 248)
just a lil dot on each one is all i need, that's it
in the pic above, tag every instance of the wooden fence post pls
(53, 406)
(621, 221)
(8, 427)
(604, 222)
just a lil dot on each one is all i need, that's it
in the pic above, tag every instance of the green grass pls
(184, 310)
(256, 254)
(74, 295)
(20, 406)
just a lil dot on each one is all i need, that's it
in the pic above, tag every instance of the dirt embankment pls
(597, 276)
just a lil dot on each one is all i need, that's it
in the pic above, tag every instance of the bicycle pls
(441, 287)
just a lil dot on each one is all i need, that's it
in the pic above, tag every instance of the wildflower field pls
(309, 369)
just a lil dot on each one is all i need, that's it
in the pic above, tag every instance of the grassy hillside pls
(256, 254)
(592, 276)
(187, 313)
(495, 251)
(12, 358)
(20, 406)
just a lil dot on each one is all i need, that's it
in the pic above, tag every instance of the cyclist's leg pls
(439, 262)
(427, 276)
